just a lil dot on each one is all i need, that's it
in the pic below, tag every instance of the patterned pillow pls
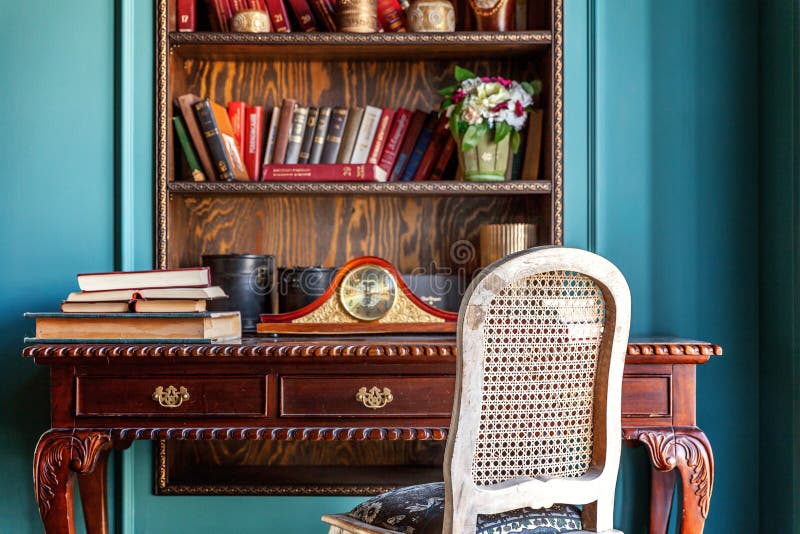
(419, 510)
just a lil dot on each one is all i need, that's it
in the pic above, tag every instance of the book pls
(299, 120)
(253, 140)
(308, 135)
(284, 130)
(402, 117)
(238, 5)
(391, 16)
(236, 112)
(326, 14)
(214, 141)
(302, 12)
(533, 146)
(432, 152)
(213, 16)
(169, 306)
(186, 103)
(354, 116)
(318, 141)
(445, 156)
(412, 134)
(420, 147)
(333, 137)
(186, 277)
(366, 134)
(278, 15)
(119, 326)
(224, 13)
(162, 293)
(272, 133)
(381, 134)
(336, 172)
(187, 16)
(188, 150)
(96, 307)
(229, 141)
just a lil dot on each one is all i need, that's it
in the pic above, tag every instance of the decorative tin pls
(500, 240)
(249, 281)
(431, 16)
(298, 286)
(357, 16)
(251, 21)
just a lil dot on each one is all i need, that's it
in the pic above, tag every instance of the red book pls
(225, 14)
(390, 16)
(284, 129)
(216, 15)
(446, 153)
(257, 4)
(279, 16)
(432, 152)
(326, 14)
(381, 135)
(407, 146)
(302, 12)
(187, 17)
(323, 172)
(236, 111)
(254, 138)
(238, 5)
(402, 118)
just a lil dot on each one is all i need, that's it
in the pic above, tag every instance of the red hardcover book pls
(224, 14)
(407, 146)
(432, 152)
(402, 118)
(257, 4)
(302, 12)
(187, 16)
(324, 172)
(326, 14)
(238, 5)
(381, 134)
(253, 139)
(390, 16)
(279, 16)
(447, 152)
(236, 111)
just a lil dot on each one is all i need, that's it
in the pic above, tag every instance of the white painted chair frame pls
(464, 500)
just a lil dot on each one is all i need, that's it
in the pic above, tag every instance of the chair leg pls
(598, 516)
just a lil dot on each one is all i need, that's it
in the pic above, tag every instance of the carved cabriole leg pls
(696, 466)
(659, 443)
(687, 450)
(94, 496)
(662, 489)
(59, 454)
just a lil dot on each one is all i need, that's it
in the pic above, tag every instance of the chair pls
(536, 416)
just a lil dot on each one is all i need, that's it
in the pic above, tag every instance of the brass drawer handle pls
(170, 397)
(374, 398)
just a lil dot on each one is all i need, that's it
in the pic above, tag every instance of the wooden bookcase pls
(410, 224)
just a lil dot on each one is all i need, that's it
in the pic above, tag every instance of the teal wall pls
(662, 174)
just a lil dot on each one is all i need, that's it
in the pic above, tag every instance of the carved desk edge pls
(644, 351)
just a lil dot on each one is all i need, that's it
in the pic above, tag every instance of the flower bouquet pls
(486, 115)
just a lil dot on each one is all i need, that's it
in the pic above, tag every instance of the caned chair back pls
(536, 418)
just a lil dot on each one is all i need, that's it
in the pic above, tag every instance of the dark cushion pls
(419, 510)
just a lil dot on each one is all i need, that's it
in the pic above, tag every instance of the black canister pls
(298, 286)
(249, 281)
(443, 291)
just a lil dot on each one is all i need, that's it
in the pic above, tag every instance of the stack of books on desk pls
(142, 306)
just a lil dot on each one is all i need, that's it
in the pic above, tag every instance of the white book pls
(272, 133)
(189, 293)
(366, 134)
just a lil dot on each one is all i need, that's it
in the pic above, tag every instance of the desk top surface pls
(649, 350)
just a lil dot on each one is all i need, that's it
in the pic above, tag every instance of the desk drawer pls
(646, 396)
(165, 396)
(367, 396)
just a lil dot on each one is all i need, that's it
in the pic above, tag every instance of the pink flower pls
(519, 109)
(502, 81)
(498, 107)
(458, 96)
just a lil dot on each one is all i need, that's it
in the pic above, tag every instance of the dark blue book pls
(420, 147)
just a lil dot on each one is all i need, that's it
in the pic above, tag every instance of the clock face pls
(368, 292)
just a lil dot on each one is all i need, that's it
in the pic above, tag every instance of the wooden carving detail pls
(660, 444)
(284, 433)
(60, 452)
(316, 188)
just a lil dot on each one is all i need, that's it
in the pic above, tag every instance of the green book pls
(188, 150)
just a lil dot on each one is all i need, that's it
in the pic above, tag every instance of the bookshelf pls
(410, 224)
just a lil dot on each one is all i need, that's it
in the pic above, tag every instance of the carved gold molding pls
(515, 187)
(558, 122)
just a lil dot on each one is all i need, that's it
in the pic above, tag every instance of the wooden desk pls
(102, 397)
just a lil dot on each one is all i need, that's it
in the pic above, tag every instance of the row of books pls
(311, 143)
(284, 15)
(140, 306)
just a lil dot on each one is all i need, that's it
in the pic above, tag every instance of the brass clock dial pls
(368, 292)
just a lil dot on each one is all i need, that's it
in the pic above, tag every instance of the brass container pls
(431, 16)
(357, 16)
(494, 15)
(251, 21)
(500, 240)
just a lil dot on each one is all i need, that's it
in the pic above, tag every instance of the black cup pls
(298, 286)
(249, 281)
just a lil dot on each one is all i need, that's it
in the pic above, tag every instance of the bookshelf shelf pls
(522, 187)
(455, 45)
